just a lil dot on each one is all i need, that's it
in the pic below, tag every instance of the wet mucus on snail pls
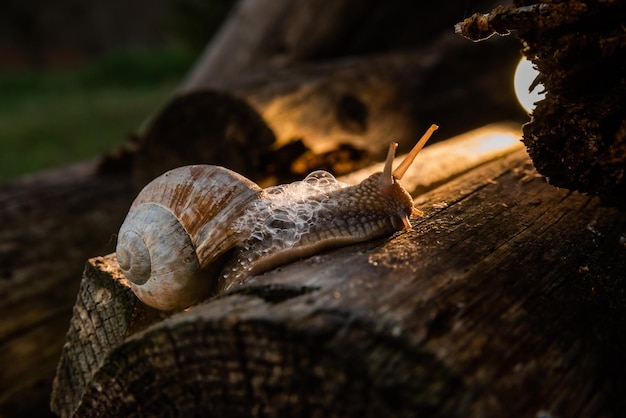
(199, 230)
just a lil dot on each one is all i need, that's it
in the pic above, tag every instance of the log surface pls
(506, 299)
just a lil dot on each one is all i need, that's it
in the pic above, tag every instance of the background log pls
(506, 299)
(338, 115)
(49, 223)
(334, 84)
(280, 33)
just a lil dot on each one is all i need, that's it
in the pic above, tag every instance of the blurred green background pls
(75, 82)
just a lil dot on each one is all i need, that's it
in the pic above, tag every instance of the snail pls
(200, 230)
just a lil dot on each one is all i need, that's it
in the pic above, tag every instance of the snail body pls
(198, 230)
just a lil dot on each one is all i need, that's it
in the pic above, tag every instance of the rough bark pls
(120, 314)
(577, 136)
(506, 299)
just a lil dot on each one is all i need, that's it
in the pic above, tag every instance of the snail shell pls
(202, 229)
(173, 237)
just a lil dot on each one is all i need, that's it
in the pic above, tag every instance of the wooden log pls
(204, 127)
(506, 299)
(439, 163)
(262, 34)
(335, 85)
(364, 101)
(338, 116)
(50, 223)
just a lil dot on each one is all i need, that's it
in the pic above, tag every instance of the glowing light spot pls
(525, 74)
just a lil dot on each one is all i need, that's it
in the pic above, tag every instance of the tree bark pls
(577, 136)
(506, 299)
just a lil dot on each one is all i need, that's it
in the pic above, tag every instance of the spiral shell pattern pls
(177, 231)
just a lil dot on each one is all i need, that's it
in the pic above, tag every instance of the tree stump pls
(506, 299)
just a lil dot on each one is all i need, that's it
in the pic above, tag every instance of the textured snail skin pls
(200, 230)
(292, 221)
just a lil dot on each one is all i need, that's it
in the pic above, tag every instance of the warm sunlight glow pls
(525, 74)
(450, 158)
